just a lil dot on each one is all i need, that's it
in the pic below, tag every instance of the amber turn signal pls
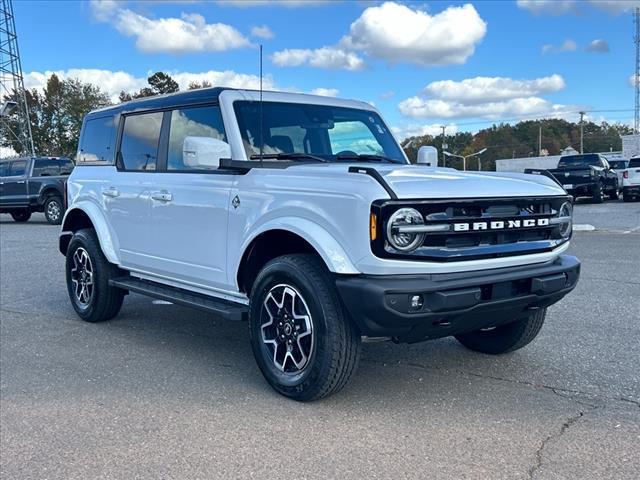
(373, 226)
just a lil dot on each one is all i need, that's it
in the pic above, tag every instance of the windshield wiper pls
(288, 156)
(365, 157)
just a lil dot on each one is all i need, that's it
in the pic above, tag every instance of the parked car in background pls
(619, 166)
(585, 175)
(631, 180)
(303, 215)
(36, 184)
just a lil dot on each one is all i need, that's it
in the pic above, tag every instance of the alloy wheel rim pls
(53, 210)
(82, 277)
(287, 329)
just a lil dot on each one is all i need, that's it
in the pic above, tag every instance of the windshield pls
(580, 161)
(330, 133)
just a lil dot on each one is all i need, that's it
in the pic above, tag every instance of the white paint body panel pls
(197, 240)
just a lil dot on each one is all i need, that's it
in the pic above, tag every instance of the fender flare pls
(108, 242)
(334, 256)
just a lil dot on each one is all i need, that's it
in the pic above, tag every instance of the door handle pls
(162, 196)
(110, 192)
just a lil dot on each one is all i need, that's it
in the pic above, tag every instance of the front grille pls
(477, 228)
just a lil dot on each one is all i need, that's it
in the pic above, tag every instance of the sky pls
(423, 64)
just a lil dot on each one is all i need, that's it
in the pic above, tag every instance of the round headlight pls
(565, 215)
(404, 241)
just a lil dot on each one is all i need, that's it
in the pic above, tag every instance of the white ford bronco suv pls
(302, 215)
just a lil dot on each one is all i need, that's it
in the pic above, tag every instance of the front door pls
(190, 206)
(14, 185)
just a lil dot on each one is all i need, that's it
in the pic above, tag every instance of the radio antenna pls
(261, 133)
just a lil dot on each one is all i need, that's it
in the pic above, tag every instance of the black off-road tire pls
(506, 338)
(614, 195)
(598, 194)
(21, 216)
(54, 210)
(336, 339)
(105, 301)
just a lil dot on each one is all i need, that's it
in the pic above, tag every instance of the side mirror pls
(204, 152)
(428, 156)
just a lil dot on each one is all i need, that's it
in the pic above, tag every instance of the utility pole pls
(582, 132)
(636, 80)
(540, 139)
(444, 145)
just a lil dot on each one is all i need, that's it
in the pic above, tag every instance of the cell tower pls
(14, 114)
(636, 120)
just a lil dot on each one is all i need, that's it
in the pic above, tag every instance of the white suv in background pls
(631, 180)
(302, 215)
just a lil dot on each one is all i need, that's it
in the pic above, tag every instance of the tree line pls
(56, 114)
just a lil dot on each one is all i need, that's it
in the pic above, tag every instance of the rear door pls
(126, 196)
(14, 183)
(189, 206)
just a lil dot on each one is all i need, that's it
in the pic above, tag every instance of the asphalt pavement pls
(167, 392)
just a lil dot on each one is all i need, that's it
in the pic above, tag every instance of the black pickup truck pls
(585, 175)
(35, 184)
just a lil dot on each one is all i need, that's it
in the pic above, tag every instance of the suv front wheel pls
(505, 338)
(303, 340)
(88, 275)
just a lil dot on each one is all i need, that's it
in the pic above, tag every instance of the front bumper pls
(454, 303)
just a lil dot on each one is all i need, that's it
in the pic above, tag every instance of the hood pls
(416, 181)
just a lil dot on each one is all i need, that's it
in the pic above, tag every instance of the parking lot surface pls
(167, 392)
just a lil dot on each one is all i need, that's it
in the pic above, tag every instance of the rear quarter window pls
(46, 167)
(97, 140)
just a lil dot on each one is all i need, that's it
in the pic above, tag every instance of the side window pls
(353, 136)
(139, 145)
(192, 122)
(18, 168)
(45, 167)
(96, 142)
(66, 166)
(4, 169)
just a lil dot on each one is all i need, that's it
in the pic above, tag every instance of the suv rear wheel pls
(302, 338)
(598, 194)
(53, 210)
(505, 338)
(88, 275)
(21, 216)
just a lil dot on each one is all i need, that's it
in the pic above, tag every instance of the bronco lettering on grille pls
(500, 225)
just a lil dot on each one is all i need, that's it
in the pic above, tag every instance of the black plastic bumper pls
(453, 303)
(583, 189)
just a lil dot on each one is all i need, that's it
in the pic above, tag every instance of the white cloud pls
(561, 7)
(103, 10)
(6, 152)
(387, 95)
(632, 80)
(325, 57)
(566, 46)
(395, 33)
(598, 45)
(417, 130)
(417, 107)
(325, 92)
(113, 83)
(191, 33)
(486, 97)
(491, 89)
(262, 32)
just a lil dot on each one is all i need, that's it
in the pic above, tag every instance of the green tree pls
(159, 84)
(56, 115)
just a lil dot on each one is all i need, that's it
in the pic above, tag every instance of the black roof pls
(189, 97)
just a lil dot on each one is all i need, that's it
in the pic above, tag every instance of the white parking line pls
(583, 228)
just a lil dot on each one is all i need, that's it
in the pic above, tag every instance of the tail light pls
(625, 174)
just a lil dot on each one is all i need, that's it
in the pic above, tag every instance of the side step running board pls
(217, 306)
